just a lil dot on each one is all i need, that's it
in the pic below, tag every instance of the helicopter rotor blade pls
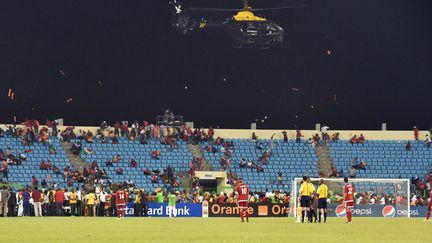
(242, 9)
(215, 9)
(279, 8)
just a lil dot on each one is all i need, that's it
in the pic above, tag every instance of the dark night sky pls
(380, 67)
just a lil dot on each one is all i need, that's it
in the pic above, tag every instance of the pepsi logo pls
(388, 211)
(340, 211)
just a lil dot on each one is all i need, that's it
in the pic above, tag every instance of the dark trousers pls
(101, 209)
(144, 210)
(45, 209)
(90, 210)
(59, 208)
(113, 211)
(137, 210)
(51, 209)
(11, 211)
(26, 209)
(79, 208)
(73, 209)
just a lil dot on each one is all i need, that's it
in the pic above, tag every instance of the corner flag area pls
(107, 230)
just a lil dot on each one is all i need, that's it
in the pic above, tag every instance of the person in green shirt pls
(160, 197)
(172, 201)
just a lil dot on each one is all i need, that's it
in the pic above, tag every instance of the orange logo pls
(262, 210)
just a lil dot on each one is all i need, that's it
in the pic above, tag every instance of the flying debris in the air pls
(249, 29)
(11, 94)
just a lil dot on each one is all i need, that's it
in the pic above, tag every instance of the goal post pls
(372, 197)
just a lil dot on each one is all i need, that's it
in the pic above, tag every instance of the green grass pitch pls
(107, 230)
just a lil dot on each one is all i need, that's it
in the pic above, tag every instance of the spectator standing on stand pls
(416, 133)
(285, 136)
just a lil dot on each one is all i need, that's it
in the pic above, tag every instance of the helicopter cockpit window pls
(251, 28)
(267, 28)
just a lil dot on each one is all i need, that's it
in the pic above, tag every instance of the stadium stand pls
(385, 159)
(35, 153)
(178, 158)
(289, 159)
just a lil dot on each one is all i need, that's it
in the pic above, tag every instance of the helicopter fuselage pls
(254, 32)
(245, 27)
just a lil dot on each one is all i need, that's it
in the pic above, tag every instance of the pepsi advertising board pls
(161, 210)
(387, 211)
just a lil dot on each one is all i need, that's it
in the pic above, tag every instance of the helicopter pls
(250, 30)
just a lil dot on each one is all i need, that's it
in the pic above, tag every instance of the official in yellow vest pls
(322, 200)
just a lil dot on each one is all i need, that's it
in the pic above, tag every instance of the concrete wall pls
(266, 134)
(370, 135)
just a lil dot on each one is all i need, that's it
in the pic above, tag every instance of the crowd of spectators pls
(57, 201)
(143, 132)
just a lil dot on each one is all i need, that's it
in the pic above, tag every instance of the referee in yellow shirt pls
(306, 190)
(322, 200)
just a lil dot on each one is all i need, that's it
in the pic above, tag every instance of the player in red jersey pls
(121, 201)
(348, 199)
(242, 194)
(428, 213)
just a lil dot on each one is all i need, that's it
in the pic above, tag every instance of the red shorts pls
(349, 204)
(121, 207)
(243, 204)
(429, 207)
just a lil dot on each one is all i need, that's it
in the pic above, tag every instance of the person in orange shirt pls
(156, 132)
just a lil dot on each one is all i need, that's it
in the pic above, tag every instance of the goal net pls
(372, 197)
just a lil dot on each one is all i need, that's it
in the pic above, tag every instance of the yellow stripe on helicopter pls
(247, 16)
